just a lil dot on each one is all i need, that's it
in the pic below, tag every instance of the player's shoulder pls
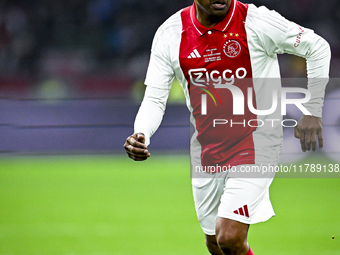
(261, 12)
(261, 18)
(171, 26)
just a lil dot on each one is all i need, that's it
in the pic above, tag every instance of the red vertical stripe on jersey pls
(241, 211)
(223, 61)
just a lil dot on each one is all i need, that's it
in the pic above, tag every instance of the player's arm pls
(147, 121)
(309, 128)
(278, 36)
(159, 77)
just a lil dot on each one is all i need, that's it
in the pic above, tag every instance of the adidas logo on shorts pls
(242, 211)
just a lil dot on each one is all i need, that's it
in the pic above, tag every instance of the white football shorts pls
(241, 199)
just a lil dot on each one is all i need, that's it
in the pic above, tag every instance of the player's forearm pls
(151, 111)
(318, 61)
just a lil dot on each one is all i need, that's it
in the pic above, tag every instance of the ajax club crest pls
(232, 48)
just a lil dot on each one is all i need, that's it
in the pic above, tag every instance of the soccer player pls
(222, 51)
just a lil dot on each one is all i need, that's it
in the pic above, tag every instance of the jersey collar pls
(222, 26)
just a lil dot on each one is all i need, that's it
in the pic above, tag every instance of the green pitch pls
(98, 205)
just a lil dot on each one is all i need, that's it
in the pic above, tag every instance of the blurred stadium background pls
(71, 81)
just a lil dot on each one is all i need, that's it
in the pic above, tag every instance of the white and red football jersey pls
(237, 58)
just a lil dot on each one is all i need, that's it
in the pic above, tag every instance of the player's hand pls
(307, 129)
(135, 147)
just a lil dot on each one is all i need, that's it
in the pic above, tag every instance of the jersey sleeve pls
(279, 35)
(150, 113)
(160, 73)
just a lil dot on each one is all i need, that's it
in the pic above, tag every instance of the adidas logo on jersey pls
(242, 211)
(194, 54)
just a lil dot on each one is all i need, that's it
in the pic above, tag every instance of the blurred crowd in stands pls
(112, 38)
